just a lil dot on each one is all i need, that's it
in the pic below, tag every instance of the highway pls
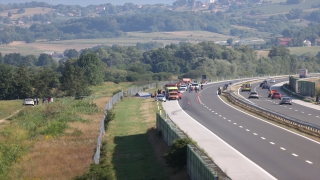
(282, 153)
(295, 110)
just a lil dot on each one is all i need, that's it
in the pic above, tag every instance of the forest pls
(27, 76)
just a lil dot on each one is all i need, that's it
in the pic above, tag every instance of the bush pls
(109, 117)
(176, 156)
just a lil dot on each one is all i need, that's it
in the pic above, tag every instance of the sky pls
(94, 2)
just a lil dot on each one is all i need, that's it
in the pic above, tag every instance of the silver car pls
(160, 97)
(28, 101)
(183, 88)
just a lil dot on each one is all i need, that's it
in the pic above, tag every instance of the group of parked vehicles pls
(273, 93)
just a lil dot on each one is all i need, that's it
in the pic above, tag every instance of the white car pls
(272, 81)
(160, 97)
(183, 88)
(28, 102)
(196, 85)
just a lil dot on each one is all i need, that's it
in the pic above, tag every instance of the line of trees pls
(72, 77)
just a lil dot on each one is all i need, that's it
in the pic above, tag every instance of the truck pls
(303, 73)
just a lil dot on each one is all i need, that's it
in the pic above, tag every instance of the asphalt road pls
(284, 154)
(295, 110)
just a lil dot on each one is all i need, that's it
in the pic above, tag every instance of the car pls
(276, 95)
(265, 86)
(183, 88)
(253, 95)
(285, 100)
(261, 84)
(196, 85)
(272, 81)
(265, 81)
(28, 102)
(160, 97)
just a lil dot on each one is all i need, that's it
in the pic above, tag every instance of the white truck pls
(303, 73)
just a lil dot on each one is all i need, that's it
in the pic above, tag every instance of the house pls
(284, 41)
(307, 43)
(100, 8)
(70, 14)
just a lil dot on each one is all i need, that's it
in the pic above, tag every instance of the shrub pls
(176, 156)
(109, 117)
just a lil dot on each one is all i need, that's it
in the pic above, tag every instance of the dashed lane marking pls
(309, 162)
(283, 148)
(272, 143)
(247, 130)
(240, 127)
(234, 123)
(296, 155)
(263, 138)
(255, 134)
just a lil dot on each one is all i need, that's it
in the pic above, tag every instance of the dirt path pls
(5, 119)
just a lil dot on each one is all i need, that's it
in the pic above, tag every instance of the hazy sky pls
(94, 2)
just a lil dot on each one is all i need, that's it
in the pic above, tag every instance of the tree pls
(71, 53)
(9, 14)
(22, 83)
(44, 81)
(230, 41)
(92, 67)
(1, 58)
(6, 82)
(295, 14)
(45, 60)
(278, 51)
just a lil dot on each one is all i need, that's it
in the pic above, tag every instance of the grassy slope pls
(127, 141)
(9, 107)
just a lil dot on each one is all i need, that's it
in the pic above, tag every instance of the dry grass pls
(64, 157)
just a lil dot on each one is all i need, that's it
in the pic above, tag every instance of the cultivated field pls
(313, 50)
(131, 40)
(28, 12)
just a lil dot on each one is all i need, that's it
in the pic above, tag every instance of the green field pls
(131, 40)
(281, 8)
(313, 50)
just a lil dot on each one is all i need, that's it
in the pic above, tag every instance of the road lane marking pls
(224, 118)
(240, 126)
(212, 111)
(302, 112)
(215, 113)
(263, 138)
(309, 162)
(295, 110)
(220, 115)
(283, 148)
(309, 114)
(272, 143)
(296, 155)
(209, 109)
(255, 134)
(247, 130)
(290, 108)
(229, 120)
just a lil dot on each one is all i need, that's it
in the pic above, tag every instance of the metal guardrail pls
(287, 119)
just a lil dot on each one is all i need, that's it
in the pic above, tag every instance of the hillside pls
(93, 2)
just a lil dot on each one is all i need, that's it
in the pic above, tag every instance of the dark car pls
(285, 100)
(265, 86)
(253, 95)
(261, 84)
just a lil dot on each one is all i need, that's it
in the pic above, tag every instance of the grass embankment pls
(128, 141)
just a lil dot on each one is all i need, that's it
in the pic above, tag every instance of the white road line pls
(247, 130)
(290, 108)
(295, 110)
(212, 111)
(209, 109)
(234, 123)
(263, 138)
(240, 127)
(255, 134)
(309, 114)
(272, 143)
(284, 106)
(317, 116)
(296, 155)
(229, 120)
(224, 118)
(283, 148)
(220, 115)
(302, 112)
(309, 162)
(216, 113)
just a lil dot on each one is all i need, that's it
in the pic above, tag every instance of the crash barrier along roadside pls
(199, 165)
(290, 121)
(115, 98)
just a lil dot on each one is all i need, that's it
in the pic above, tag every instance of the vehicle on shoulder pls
(160, 97)
(28, 102)
(173, 95)
(253, 95)
(276, 95)
(285, 100)
(272, 81)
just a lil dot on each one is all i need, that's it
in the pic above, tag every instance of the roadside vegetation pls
(8, 108)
